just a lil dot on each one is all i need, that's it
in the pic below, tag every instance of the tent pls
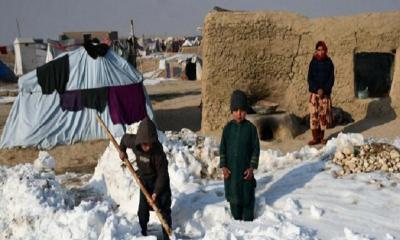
(37, 119)
(6, 75)
(185, 66)
(29, 53)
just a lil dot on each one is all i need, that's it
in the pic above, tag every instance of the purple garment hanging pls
(71, 101)
(127, 104)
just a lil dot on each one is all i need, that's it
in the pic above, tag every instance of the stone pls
(347, 151)
(385, 167)
(380, 156)
(339, 155)
(394, 154)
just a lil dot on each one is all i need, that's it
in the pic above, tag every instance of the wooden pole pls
(137, 178)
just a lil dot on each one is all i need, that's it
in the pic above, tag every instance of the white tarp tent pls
(177, 64)
(37, 119)
(28, 55)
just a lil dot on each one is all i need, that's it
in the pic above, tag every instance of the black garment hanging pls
(95, 98)
(54, 75)
(95, 49)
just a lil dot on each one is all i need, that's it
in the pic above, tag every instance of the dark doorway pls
(267, 134)
(190, 70)
(373, 73)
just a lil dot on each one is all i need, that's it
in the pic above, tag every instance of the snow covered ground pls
(152, 78)
(297, 198)
(7, 99)
(155, 81)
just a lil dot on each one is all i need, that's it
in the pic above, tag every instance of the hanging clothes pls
(71, 101)
(95, 98)
(95, 49)
(127, 104)
(54, 75)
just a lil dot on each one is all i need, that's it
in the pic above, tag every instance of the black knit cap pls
(239, 101)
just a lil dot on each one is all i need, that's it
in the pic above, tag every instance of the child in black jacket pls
(153, 171)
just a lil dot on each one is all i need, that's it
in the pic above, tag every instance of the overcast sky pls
(48, 18)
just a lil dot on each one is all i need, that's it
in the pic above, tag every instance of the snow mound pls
(296, 198)
(33, 205)
(44, 162)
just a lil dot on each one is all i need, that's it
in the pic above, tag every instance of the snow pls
(7, 99)
(297, 198)
(316, 212)
(44, 162)
(8, 89)
(155, 81)
(152, 78)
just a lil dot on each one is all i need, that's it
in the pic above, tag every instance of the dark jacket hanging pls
(95, 98)
(54, 75)
(95, 49)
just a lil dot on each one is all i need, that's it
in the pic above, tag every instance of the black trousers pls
(240, 212)
(163, 202)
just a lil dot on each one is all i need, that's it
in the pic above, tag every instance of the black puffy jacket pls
(153, 165)
(321, 75)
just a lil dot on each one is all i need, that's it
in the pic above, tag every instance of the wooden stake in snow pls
(137, 178)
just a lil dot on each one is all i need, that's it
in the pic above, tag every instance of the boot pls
(321, 137)
(144, 230)
(315, 135)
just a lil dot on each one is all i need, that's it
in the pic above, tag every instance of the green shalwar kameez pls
(240, 150)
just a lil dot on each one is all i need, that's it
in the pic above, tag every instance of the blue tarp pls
(37, 120)
(6, 75)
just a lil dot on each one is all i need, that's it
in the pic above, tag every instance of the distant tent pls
(185, 66)
(37, 119)
(55, 48)
(29, 54)
(6, 75)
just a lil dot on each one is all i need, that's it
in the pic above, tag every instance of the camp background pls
(172, 17)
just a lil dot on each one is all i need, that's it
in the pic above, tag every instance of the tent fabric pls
(37, 120)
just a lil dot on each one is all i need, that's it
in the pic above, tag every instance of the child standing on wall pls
(239, 154)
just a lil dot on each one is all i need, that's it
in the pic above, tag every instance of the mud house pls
(267, 54)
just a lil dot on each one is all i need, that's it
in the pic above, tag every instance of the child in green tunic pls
(239, 153)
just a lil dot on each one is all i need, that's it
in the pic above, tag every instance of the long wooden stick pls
(137, 178)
